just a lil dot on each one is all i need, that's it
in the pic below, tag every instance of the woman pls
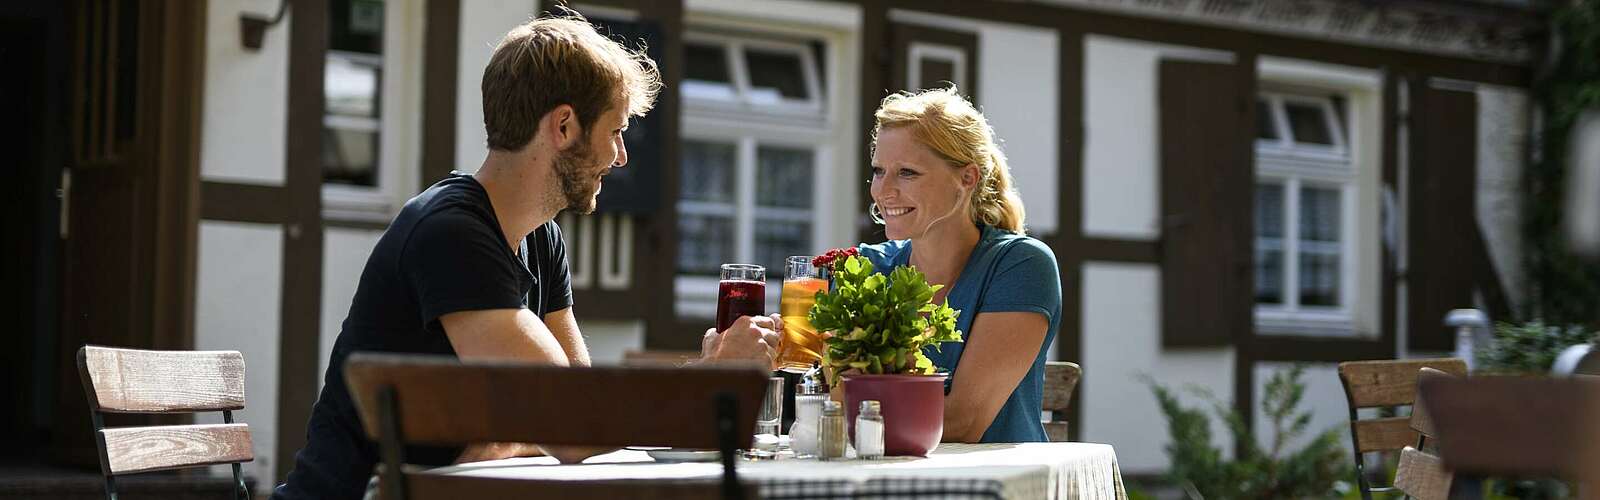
(942, 191)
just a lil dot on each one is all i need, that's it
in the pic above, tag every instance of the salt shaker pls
(808, 398)
(832, 436)
(869, 431)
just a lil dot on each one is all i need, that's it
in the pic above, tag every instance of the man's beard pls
(577, 185)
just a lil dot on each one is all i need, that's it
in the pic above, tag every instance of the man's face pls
(580, 167)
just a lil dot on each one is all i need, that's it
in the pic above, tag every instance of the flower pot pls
(912, 405)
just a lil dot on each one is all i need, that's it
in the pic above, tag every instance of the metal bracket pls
(253, 27)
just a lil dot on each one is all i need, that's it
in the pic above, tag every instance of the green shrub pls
(1529, 348)
(1313, 471)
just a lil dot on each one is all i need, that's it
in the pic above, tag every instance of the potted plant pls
(878, 326)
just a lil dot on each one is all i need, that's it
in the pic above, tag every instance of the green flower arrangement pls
(880, 323)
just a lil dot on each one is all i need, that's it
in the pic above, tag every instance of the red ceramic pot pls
(912, 405)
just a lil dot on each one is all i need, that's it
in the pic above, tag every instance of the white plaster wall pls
(1502, 142)
(1121, 167)
(1018, 80)
(483, 23)
(609, 339)
(1122, 346)
(1018, 90)
(1324, 398)
(245, 97)
(344, 255)
(238, 286)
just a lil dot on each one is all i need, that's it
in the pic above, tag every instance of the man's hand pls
(750, 338)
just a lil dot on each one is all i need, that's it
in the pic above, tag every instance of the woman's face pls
(912, 186)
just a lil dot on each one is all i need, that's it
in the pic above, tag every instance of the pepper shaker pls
(832, 436)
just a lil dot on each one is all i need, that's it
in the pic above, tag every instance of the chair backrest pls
(1388, 383)
(1060, 379)
(1517, 425)
(1422, 475)
(1420, 419)
(1379, 384)
(410, 399)
(140, 381)
(658, 358)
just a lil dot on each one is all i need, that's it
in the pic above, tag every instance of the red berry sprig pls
(827, 259)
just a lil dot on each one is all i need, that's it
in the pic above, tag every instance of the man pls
(474, 266)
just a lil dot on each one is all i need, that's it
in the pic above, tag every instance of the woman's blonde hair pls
(953, 129)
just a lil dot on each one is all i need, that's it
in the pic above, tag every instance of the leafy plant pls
(1313, 471)
(1529, 348)
(880, 323)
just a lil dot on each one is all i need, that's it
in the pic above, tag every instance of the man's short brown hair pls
(557, 60)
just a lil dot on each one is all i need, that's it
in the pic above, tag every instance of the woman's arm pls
(999, 351)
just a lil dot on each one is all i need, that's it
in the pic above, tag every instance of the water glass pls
(771, 415)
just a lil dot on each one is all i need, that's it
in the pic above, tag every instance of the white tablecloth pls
(1011, 471)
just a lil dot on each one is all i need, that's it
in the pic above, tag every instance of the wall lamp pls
(253, 27)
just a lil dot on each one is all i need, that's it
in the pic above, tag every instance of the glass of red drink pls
(742, 292)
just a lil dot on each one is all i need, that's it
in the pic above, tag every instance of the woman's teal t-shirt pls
(1007, 272)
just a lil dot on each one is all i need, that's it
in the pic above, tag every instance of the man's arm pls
(564, 325)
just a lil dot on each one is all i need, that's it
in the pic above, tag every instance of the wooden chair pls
(1060, 379)
(1421, 474)
(137, 381)
(1378, 384)
(670, 359)
(438, 400)
(1516, 426)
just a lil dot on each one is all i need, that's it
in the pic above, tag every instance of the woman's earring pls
(872, 211)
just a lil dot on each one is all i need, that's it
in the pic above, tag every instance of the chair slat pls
(145, 449)
(1422, 475)
(444, 401)
(1390, 382)
(1384, 434)
(423, 485)
(1420, 421)
(1060, 379)
(138, 381)
(1056, 432)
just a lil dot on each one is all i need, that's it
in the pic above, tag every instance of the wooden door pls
(128, 189)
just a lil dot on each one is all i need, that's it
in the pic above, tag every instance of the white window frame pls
(730, 117)
(739, 98)
(924, 50)
(398, 123)
(1296, 166)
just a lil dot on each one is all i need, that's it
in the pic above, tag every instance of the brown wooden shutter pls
(1442, 231)
(933, 71)
(1207, 190)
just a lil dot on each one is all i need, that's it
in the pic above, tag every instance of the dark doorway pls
(32, 44)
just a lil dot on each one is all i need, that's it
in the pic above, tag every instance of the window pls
(1304, 211)
(369, 102)
(750, 165)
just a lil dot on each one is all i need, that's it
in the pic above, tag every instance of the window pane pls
(1319, 247)
(349, 156)
(778, 239)
(350, 84)
(936, 72)
(1265, 127)
(1269, 243)
(705, 242)
(708, 171)
(783, 177)
(1308, 123)
(707, 63)
(775, 73)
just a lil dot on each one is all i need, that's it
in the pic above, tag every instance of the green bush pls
(1529, 348)
(1314, 471)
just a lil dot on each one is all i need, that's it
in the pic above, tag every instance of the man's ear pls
(560, 125)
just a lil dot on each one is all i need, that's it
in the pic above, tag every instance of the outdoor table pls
(1002, 470)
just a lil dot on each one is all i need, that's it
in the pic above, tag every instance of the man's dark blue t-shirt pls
(443, 253)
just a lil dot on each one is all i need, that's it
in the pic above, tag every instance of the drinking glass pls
(767, 421)
(801, 345)
(742, 292)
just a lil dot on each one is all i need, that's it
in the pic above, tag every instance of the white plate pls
(684, 455)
